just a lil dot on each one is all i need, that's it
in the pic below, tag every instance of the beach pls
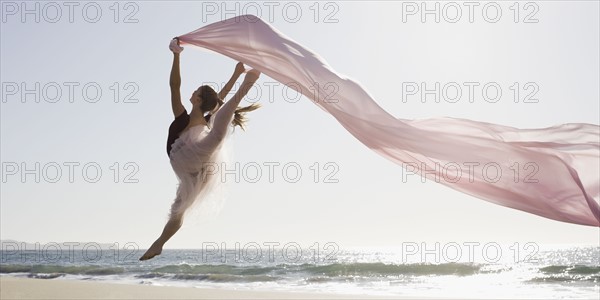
(28, 288)
(554, 272)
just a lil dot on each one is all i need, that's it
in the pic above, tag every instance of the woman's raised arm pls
(239, 69)
(175, 79)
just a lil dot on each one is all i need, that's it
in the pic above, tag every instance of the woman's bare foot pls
(154, 250)
(170, 229)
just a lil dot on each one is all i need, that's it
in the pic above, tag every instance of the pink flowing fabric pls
(551, 172)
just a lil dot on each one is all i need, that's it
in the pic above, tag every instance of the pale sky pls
(554, 47)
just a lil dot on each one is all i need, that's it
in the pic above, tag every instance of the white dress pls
(197, 158)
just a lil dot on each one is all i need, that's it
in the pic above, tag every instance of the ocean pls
(458, 270)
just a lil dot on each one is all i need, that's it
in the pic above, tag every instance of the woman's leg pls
(170, 229)
(225, 114)
(172, 226)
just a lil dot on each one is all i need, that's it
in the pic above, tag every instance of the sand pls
(26, 288)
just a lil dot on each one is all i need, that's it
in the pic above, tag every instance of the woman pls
(195, 140)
